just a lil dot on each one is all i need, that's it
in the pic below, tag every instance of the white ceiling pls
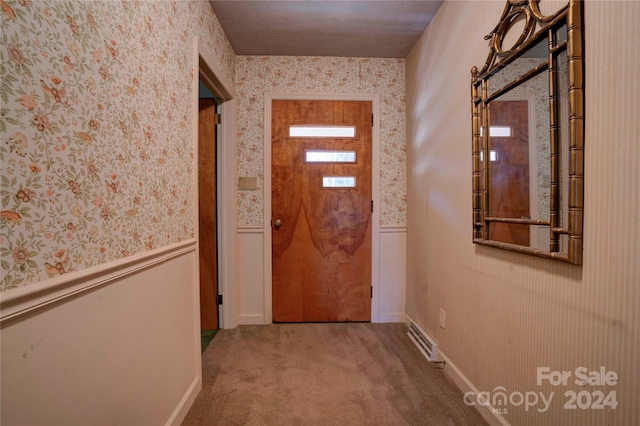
(364, 28)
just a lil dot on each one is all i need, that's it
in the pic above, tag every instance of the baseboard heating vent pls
(428, 347)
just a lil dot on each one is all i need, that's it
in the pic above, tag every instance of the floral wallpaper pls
(256, 75)
(96, 130)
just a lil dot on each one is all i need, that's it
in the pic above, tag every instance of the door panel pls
(322, 251)
(207, 214)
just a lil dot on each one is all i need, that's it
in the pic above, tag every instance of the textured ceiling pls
(365, 28)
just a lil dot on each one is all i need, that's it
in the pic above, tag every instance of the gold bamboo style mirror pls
(527, 123)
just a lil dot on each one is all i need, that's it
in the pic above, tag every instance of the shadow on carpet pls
(206, 336)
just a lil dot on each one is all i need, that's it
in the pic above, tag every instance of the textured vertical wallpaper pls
(256, 75)
(507, 314)
(96, 130)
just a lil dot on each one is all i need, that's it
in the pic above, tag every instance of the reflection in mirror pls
(531, 59)
(509, 186)
(561, 34)
(520, 184)
(527, 128)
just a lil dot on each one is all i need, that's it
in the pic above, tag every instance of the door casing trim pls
(223, 89)
(374, 98)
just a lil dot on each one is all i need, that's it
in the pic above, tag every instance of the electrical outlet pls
(442, 317)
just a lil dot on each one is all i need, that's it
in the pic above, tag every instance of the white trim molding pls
(24, 300)
(250, 230)
(186, 402)
(252, 319)
(488, 412)
(224, 91)
(374, 98)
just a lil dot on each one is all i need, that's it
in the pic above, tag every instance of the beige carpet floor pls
(324, 374)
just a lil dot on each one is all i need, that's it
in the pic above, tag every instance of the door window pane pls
(322, 131)
(338, 182)
(498, 131)
(493, 155)
(321, 156)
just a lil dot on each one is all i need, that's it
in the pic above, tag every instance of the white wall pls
(250, 276)
(121, 348)
(509, 313)
(392, 264)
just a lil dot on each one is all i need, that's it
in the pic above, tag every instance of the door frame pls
(224, 91)
(374, 98)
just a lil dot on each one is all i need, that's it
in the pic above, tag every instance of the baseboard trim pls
(464, 384)
(251, 320)
(391, 317)
(186, 402)
(24, 300)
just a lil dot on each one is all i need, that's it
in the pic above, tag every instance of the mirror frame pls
(498, 58)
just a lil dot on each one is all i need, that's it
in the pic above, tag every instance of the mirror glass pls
(520, 169)
(532, 58)
(527, 135)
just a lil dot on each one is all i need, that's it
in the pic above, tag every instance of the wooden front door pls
(207, 214)
(321, 213)
(509, 193)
